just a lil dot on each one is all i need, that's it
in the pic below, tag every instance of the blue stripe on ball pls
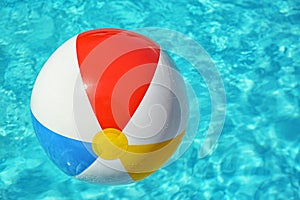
(71, 156)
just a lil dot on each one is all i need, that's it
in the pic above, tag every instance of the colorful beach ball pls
(109, 107)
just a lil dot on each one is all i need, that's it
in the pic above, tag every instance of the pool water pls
(256, 48)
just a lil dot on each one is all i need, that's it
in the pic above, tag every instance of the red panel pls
(114, 105)
(116, 67)
(87, 41)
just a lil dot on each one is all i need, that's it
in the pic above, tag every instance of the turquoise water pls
(255, 46)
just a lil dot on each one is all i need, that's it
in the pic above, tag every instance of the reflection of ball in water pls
(109, 107)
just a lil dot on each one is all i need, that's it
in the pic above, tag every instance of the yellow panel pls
(139, 160)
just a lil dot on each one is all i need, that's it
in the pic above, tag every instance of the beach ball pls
(109, 107)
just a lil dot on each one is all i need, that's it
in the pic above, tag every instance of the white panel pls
(108, 172)
(57, 86)
(163, 112)
(86, 122)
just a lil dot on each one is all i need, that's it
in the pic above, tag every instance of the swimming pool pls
(255, 46)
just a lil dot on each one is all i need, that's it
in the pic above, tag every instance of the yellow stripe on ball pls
(139, 160)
